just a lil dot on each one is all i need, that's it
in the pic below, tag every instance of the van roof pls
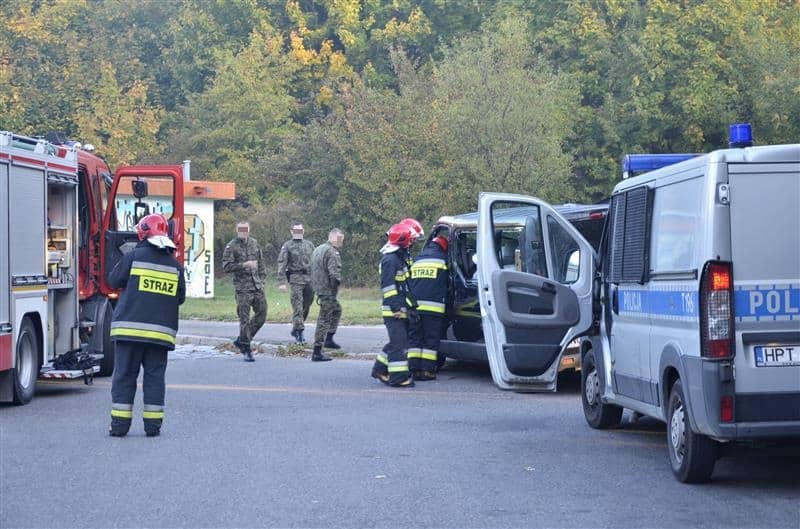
(516, 216)
(763, 154)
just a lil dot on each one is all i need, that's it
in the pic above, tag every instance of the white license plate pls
(777, 355)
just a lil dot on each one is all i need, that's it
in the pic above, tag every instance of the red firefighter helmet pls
(415, 226)
(155, 229)
(441, 241)
(399, 236)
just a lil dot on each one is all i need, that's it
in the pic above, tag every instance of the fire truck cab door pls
(138, 191)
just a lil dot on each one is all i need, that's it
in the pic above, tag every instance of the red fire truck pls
(65, 221)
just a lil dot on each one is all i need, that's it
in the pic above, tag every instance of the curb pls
(264, 348)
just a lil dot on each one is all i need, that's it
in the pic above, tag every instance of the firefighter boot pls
(152, 427)
(318, 355)
(330, 344)
(119, 427)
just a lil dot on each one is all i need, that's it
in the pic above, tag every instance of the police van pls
(690, 309)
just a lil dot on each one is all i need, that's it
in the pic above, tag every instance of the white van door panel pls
(528, 318)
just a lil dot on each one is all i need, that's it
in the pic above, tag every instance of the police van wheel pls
(598, 414)
(107, 363)
(27, 363)
(691, 455)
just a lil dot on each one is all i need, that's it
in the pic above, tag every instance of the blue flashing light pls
(740, 135)
(641, 163)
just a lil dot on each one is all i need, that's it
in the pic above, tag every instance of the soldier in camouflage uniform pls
(244, 260)
(326, 274)
(294, 266)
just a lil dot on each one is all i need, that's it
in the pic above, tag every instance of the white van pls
(691, 308)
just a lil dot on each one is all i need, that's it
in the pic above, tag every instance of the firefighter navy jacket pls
(147, 310)
(429, 278)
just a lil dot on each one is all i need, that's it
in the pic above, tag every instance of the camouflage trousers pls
(302, 296)
(328, 321)
(248, 327)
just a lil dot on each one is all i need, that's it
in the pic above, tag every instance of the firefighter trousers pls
(424, 335)
(128, 357)
(392, 361)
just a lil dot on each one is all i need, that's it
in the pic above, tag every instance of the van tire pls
(691, 455)
(26, 369)
(599, 415)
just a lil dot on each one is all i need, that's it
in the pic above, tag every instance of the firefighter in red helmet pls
(391, 365)
(428, 284)
(145, 324)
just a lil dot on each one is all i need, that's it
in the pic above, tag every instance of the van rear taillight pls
(716, 310)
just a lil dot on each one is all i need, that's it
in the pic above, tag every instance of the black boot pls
(300, 338)
(330, 344)
(248, 353)
(318, 355)
(119, 427)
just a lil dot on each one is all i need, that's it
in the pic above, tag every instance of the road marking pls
(333, 392)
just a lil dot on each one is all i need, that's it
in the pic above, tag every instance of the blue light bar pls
(740, 135)
(641, 163)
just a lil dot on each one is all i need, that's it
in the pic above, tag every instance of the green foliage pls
(355, 113)
(481, 118)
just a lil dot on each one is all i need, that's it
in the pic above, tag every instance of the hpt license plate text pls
(777, 355)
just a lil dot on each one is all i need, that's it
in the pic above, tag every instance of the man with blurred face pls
(326, 275)
(294, 267)
(243, 259)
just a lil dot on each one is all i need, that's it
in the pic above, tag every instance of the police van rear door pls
(535, 288)
(765, 251)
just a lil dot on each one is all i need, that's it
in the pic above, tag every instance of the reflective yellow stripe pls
(122, 414)
(428, 356)
(398, 369)
(390, 314)
(430, 308)
(414, 354)
(153, 414)
(389, 294)
(383, 359)
(401, 276)
(154, 273)
(138, 333)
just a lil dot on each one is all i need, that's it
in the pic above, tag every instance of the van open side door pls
(535, 279)
(138, 191)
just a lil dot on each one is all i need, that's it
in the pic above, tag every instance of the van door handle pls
(615, 300)
(549, 288)
(6, 327)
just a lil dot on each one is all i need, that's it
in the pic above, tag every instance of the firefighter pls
(428, 286)
(391, 365)
(145, 324)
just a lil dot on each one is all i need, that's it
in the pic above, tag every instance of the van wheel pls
(691, 455)
(598, 414)
(107, 363)
(27, 363)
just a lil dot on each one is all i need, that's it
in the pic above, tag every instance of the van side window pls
(627, 253)
(564, 253)
(676, 219)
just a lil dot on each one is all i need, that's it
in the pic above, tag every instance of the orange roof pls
(191, 189)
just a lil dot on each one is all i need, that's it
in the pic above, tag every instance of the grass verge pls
(360, 306)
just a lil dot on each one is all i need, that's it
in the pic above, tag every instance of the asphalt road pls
(285, 442)
(356, 339)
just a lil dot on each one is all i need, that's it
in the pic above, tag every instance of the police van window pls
(627, 240)
(676, 219)
(564, 253)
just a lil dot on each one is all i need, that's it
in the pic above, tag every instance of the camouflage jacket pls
(294, 261)
(326, 270)
(236, 253)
